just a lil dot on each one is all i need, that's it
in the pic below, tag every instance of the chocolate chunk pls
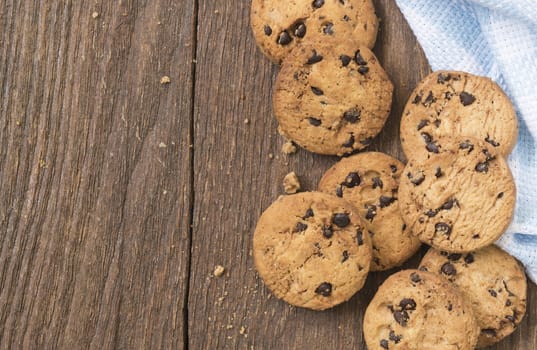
(510, 318)
(448, 269)
(314, 121)
(408, 304)
(393, 168)
(418, 180)
(352, 180)
(384, 344)
(345, 60)
(476, 236)
(454, 256)
(395, 338)
(508, 303)
(300, 226)
(363, 70)
(432, 147)
(359, 59)
(318, 3)
(327, 231)
(448, 95)
(345, 256)
(423, 123)
(450, 307)
(467, 98)
(482, 167)
(317, 91)
(404, 227)
(386, 201)
(437, 122)
(346, 18)
(488, 155)
(414, 277)
(443, 78)
(401, 317)
(309, 214)
(300, 30)
(469, 258)
(350, 142)
(371, 212)
(341, 219)
(429, 100)
(339, 191)
(324, 289)
(431, 213)
(493, 293)
(466, 145)
(491, 141)
(448, 205)
(418, 98)
(442, 228)
(268, 30)
(328, 28)
(360, 237)
(377, 182)
(284, 38)
(352, 115)
(500, 195)
(315, 58)
(426, 137)
(438, 172)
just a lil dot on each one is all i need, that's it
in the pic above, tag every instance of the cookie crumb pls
(288, 148)
(219, 271)
(246, 121)
(271, 156)
(229, 326)
(162, 145)
(95, 14)
(216, 12)
(165, 80)
(242, 331)
(291, 184)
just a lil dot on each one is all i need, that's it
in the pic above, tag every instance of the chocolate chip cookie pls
(492, 281)
(460, 199)
(332, 99)
(370, 182)
(456, 104)
(312, 250)
(420, 311)
(280, 25)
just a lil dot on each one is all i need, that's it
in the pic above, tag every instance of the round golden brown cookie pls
(280, 25)
(370, 181)
(460, 199)
(332, 99)
(457, 104)
(420, 311)
(492, 281)
(311, 251)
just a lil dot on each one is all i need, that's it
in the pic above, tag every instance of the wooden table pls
(120, 194)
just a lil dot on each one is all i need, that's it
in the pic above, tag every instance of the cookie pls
(370, 182)
(280, 25)
(332, 99)
(460, 199)
(420, 311)
(311, 250)
(492, 281)
(453, 104)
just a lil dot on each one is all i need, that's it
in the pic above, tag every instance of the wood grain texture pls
(236, 179)
(94, 214)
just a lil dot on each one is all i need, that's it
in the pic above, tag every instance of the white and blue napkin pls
(498, 39)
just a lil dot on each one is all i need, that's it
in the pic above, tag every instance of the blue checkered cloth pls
(498, 39)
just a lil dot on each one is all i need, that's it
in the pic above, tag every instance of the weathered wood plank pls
(235, 180)
(95, 173)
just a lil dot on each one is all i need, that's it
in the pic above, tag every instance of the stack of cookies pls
(371, 212)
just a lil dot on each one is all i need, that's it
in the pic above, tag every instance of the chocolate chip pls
(467, 98)
(318, 3)
(510, 318)
(442, 228)
(476, 236)
(500, 195)
(404, 227)
(300, 226)
(437, 122)
(384, 344)
(339, 191)
(438, 172)
(454, 256)
(352, 115)
(448, 269)
(395, 338)
(482, 167)
(363, 70)
(448, 205)
(328, 28)
(359, 59)
(508, 303)
(429, 100)
(360, 237)
(300, 30)
(314, 121)
(431, 213)
(377, 182)
(352, 180)
(284, 38)
(423, 123)
(346, 18)
(466, 145)
(493, 293)
(268, 30)
(488, 155)
(489, 332)
(414, 277)
(491, 141)
(371, 212)
(418, 98)
(350, 142)
(309, 214)
(341, 219)
(317, 91)
(345, 60)
(401, 317)
(450, 307)
(469, 258)
(432, 147)
(315, 58)
(443, 78)
(393, 168)
(345, 256)
(327, 231)
(419, 180)
(426, 137)
(448, 95)
(325, 289)
(408, 304)
(386, 201)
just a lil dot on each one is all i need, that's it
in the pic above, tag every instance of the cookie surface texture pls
(460, 199)
(420, 311)
(492, 281)
(454, 104)
(370, 181)
(281, 25)
(311, 250)
(332, 99)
